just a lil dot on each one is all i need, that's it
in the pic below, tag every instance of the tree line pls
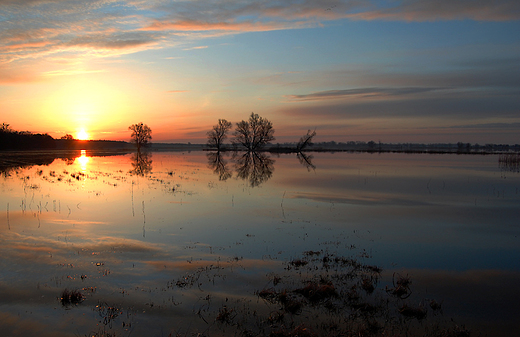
(23, 140)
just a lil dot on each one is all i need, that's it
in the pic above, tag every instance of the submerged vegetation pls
(321, 294)
(509, 162)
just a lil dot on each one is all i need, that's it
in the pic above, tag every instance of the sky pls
(394, 71)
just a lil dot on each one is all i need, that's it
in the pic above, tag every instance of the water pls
(175, 243)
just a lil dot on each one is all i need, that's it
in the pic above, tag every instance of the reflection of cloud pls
(13, 324)
(482, 297)
(193, 265)
(359, 199)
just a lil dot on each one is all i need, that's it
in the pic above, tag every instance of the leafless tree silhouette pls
(305, 141)
(254, 133)
(141, 134)
(217, 136)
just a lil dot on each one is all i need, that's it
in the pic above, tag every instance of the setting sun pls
(82, 135)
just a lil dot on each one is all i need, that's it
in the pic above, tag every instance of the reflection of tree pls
(217, 163)
(142, 163)
(306, 160)
(256, 167)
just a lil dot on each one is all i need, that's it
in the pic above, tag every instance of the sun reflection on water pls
(83, 160)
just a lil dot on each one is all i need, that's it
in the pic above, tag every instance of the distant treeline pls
(24, 140)
(372, 146)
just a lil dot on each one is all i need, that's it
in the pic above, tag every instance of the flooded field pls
(182, 244)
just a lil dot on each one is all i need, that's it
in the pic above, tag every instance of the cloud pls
(195, 48)
(70, 72)
(360, 92)
(463, 105)
(113, 41)
(177, 91)
(232, 27)
(37, 28)
(502, 126)
(427, 10)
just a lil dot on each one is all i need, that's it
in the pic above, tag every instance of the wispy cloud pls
(427, 10)
(70, 72)
(361, 93)
(195, 48)
(503, 126)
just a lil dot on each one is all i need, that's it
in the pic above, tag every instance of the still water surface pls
(159, 244)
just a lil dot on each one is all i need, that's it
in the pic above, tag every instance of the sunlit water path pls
(160, 243)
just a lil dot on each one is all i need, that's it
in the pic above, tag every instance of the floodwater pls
(179, 244)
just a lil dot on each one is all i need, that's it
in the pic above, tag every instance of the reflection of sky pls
(433, 215)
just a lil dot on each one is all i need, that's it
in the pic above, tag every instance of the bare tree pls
(254, 133)
(217, 136)
(305, 141)
(141, 134)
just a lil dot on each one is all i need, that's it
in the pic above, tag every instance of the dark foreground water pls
(180, 244)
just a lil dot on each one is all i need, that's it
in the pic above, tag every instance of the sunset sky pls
(390, 71)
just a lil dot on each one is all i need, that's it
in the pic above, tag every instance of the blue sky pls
(395, 71)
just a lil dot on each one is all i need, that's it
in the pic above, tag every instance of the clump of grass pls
(298, 263)
(299, 331)
(71, 297)
(315, 292)
(225, 315)
(401, 287)
(367, 285)
(407, 311)
(436, 306)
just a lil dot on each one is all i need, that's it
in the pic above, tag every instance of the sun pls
(82, 135)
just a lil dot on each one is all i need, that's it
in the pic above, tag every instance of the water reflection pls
(306, 160)
(219, 165)
(255, 167)
(83, 160)
(214, 251)
(141, 163)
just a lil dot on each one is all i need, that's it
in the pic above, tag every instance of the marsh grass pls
(71, 297)
(509, 162)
